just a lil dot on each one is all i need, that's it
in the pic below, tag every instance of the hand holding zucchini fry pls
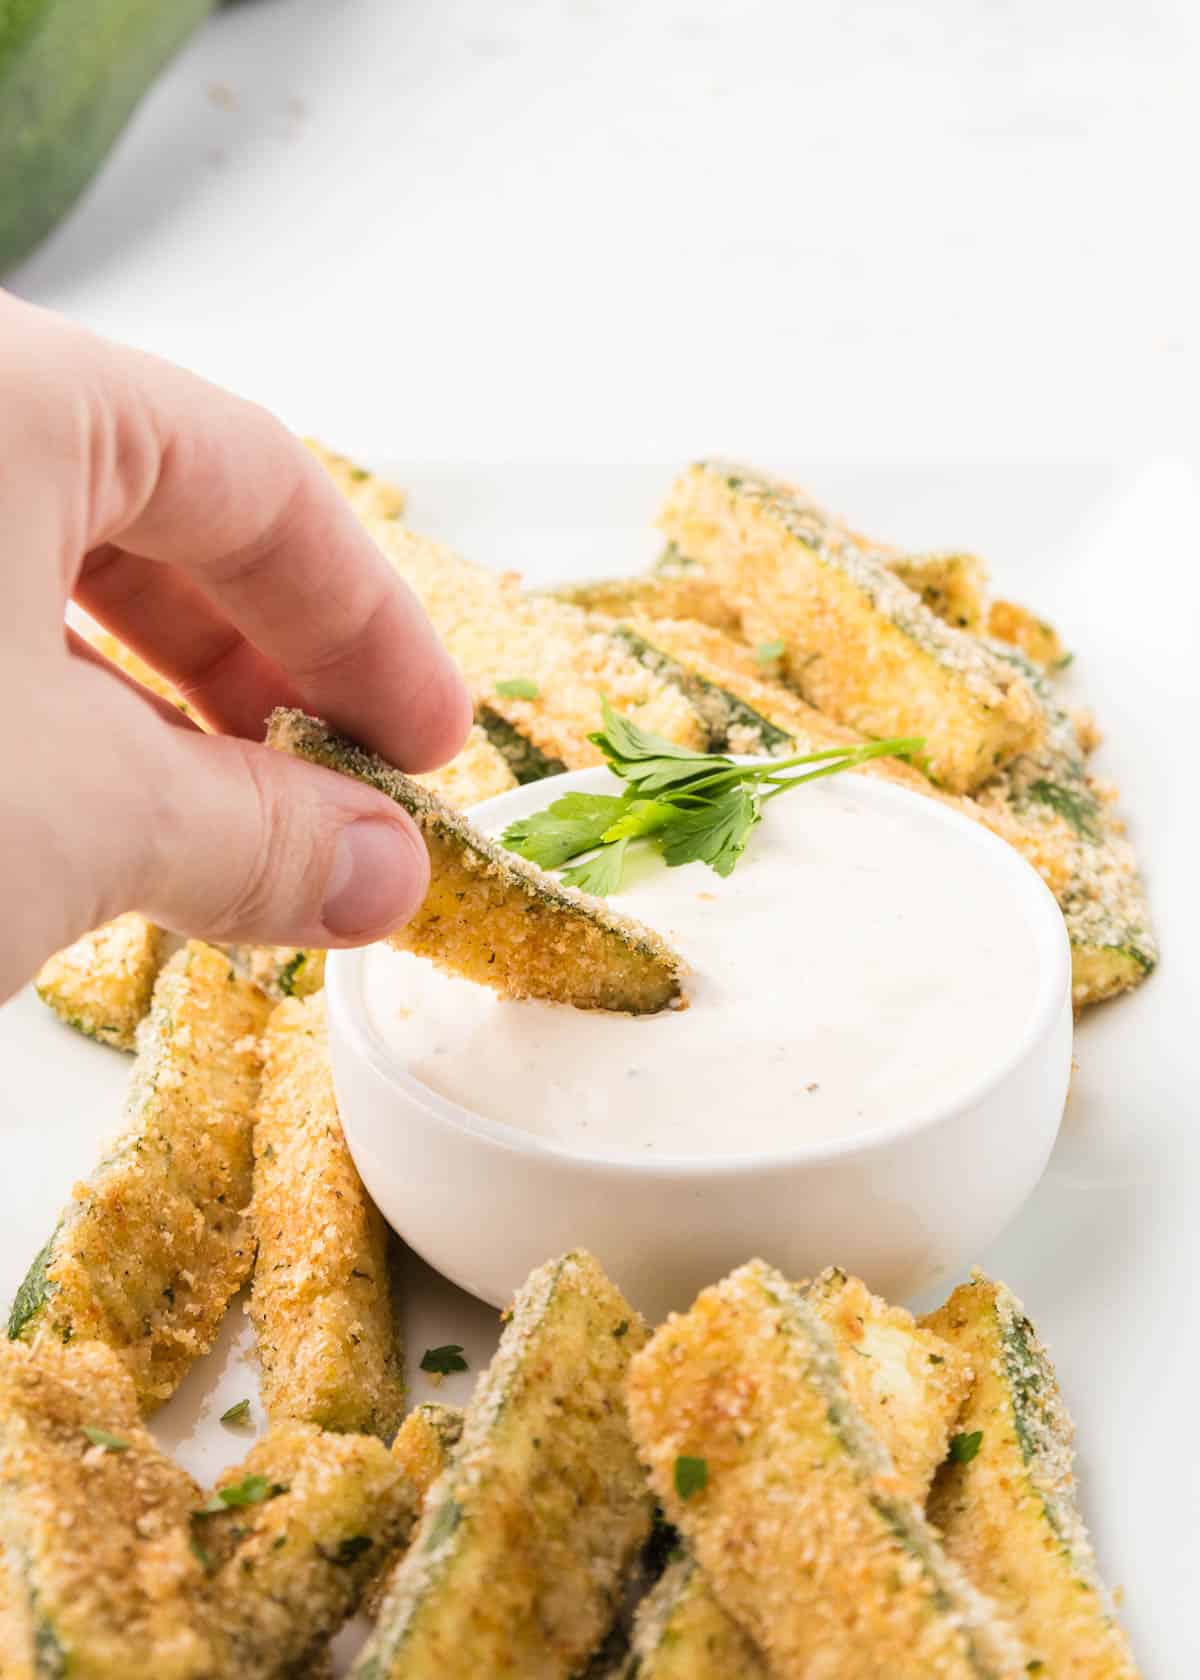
(321, 1303)
(493, 918)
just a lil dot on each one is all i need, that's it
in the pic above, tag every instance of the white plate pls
(1106, 1251)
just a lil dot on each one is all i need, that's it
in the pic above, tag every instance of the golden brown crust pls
(1009, 1513)
(490, 916)
(328, 1341)
(1008, 621)
(153, 1247)
(101, 984)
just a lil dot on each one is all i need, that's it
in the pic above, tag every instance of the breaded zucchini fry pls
(1008, 621)
(562, 663)
(490, 916)
(733, 724)
(101, 984)
(687, 593)
(94, 1526)
(1070, 833)
(860, 644)
(791, 1504)
(952, 586)
(289, 1565)
(516, 1566)
(480, 771)
(370, 497)
(1008, 1514)
(321, 1305)
(153, 1247)
(526, 762)
(16, 1624)
(422, 1449)
(909, 1387)
(283, 971)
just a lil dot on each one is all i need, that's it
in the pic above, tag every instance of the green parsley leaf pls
(102, 1438)
(964, 1447)
(443, 1360)
(715, 834)
(251, 1490)
(239, 1412)
(691, 1475)
(518, 688)
(649, 762)
(573, 824)
(601, 873)
(768, 652)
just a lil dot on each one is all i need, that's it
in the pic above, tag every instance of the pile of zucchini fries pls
(839, 1489)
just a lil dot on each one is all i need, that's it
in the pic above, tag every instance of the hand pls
(198, 531)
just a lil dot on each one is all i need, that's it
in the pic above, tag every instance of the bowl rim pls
(344, 983)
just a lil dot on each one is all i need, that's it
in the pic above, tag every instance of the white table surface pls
(595, 230)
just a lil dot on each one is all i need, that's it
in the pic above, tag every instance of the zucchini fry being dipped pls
(153, 1247)
(1007, 1506)
(94, 1525)
(321, 1305)
(859, 644)
(101, 984)
(791, 1504)
(493, 918)
(516, 1566)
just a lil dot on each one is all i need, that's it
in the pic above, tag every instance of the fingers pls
(192, 477)
(207, 835)
(167, 621)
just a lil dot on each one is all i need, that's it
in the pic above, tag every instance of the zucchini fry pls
(952, 586)
(94, 1525)
(860, 645)
(101, 984)
(516, 1566)
(1008, 1514)
(321, 1306)
(153, 1247)
(479, 772)
(908, 1385)
(283, 971)
(289, 1564)
(370, 497)
(422, 1449)
(16, 1624)
(1008, 621)
(792, 1505)
(490, 916)
(526, 762)
(687, 593)
(563, 663)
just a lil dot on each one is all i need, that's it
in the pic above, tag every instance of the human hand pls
(196, 529)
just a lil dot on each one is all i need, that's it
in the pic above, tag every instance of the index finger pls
(201, 480)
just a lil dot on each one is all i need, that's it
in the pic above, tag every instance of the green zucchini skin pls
(71, 74)
(527, 762)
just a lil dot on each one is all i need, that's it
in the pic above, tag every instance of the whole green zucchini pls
(71, 71)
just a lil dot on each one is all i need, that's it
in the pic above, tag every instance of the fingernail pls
(378, 879)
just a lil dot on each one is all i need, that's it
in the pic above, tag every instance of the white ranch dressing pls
(861, 967)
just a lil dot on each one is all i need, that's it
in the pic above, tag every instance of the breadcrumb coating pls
(95, 1529)
(516, 1567)
(860, 644)
(490, 916)
(802, 1525)
(1008, 621)
(284, 1573)
(369, 496)
(152, 1248)
(328, 1340)
(1009, 1514)
(952, 586)
(101, 984)
(499, 635)
(422, 1449)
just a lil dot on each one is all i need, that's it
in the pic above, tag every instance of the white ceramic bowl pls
(904, 1208)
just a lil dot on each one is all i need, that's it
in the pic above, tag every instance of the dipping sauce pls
(861, 968)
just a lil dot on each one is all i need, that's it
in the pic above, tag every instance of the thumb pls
(112, 808)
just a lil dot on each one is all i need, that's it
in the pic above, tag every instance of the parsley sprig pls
(688, 806)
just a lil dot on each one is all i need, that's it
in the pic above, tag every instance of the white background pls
(834, 238)
(533, 229)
